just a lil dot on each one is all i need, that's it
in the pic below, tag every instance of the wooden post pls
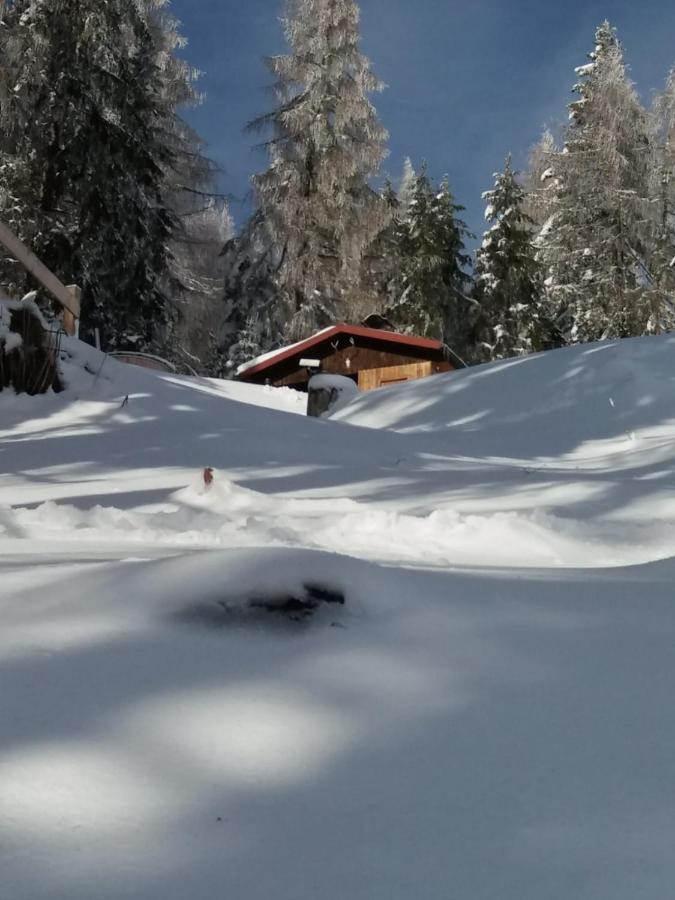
(68, 297)
(71, 313)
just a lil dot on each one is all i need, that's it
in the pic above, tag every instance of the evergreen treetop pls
(427, 295)
(326, 142)
(508, 277)
(592, 246)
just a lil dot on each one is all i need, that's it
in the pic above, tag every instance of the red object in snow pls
(208, 477)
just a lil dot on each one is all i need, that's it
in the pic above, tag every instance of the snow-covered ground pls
(489, 716)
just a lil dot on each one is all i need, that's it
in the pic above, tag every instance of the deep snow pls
(490, 714)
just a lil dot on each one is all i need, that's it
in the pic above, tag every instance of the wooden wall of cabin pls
(350, 361)
(372, 379)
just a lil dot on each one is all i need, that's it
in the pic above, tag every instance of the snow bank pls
(547, 405)
(464, 479)
(89, 374)
(233, 516)
(487, 716)
(458, 731)
(144, 595)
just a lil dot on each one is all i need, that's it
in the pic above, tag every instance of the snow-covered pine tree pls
(428, 293)
(17, 208)
(406, 188)
(203, 223)
(251, 298)
(508, 283)
(592, 245)
(662, 235)
(247, 346)
(380, 260)
(326, 143)
(90, 113)
(198, 270)
(539, 181)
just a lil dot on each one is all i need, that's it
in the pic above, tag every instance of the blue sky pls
(467, 82)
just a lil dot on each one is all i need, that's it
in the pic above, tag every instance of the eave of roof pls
(269, 360)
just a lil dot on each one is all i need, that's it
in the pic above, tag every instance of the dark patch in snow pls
(297, 606)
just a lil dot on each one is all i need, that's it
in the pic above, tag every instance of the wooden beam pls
(70, 321)
(69, 298)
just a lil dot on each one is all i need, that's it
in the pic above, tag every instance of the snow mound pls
(551, 404)
(480, 707)
(560, 460)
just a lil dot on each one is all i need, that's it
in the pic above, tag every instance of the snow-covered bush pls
(27, 355)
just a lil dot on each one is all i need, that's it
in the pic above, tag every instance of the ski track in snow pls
(489, 714)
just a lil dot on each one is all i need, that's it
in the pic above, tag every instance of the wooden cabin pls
(371, 357)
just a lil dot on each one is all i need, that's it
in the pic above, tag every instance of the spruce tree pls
(380, 261)
(247, 346)
(539, 180)
(592, 246)
(406, 188)
(325, 145)
(507, 275)
(197, 267)
(202, 221)
(90, 113)
(251, 297)
(17, 207)
(662, 243)
(427, 295)
(380, 281)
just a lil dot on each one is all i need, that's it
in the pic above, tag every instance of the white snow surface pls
(488, 716)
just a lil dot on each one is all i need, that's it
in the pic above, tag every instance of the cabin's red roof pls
(299, 349)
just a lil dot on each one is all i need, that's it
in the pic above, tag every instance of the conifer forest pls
(103, 177)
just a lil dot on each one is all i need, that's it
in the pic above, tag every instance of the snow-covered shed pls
(371, 357)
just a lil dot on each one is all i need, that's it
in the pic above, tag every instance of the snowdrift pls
(561, 459)
(487, 713)
(556, 404)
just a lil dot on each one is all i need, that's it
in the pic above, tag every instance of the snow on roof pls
(271, 354)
